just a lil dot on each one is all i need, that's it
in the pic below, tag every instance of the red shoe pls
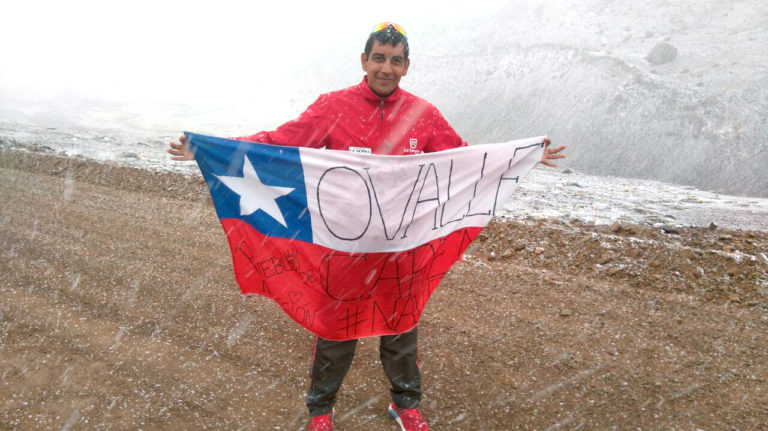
(408, 419)
(322, 422)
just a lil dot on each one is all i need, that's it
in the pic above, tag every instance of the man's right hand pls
(180, 150)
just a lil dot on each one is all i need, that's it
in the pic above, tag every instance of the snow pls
(550, 193)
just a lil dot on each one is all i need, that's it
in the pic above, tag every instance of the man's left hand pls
(551, 153)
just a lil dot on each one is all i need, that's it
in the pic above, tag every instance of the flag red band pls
(339, 295)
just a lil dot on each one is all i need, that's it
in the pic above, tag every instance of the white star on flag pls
(255, 195)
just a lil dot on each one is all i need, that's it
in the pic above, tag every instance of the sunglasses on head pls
(385, 25)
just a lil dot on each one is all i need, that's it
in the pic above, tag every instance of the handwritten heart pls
(294, 296)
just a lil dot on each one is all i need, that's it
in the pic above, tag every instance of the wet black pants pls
(332, 359)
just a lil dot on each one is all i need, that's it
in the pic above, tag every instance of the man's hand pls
(180, 150)
(551, 153)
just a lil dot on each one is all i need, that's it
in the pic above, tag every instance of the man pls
(375, 116)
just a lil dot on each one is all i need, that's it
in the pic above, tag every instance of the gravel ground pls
(119, 310)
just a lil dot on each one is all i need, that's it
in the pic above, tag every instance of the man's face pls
(384, 67)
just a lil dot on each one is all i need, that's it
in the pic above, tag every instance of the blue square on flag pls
(263, 185)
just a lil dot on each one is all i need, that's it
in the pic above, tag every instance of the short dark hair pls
(388, 35)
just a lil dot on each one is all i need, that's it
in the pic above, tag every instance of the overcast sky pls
(164, 50)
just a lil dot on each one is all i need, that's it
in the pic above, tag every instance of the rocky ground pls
(119, 310)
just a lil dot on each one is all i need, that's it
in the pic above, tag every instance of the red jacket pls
(358, 118)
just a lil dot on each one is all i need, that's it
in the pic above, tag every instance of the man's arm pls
(309, 130)
(444, 138)
(443, 135)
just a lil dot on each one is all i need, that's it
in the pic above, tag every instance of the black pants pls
(331, 361)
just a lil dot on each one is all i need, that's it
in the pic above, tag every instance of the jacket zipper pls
(381, 109)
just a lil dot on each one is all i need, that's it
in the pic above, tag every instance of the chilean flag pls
(352, 245)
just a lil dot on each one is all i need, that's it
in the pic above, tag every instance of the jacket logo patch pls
(413, 145)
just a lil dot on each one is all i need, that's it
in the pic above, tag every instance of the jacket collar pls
(370, 95)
